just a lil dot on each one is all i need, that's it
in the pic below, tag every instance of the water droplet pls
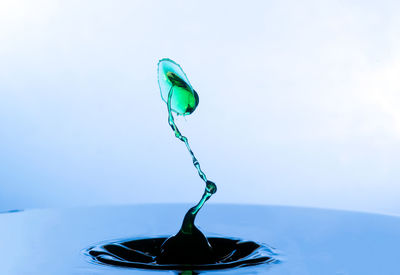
(171, 76)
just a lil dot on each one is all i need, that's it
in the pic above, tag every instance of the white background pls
(299, 102)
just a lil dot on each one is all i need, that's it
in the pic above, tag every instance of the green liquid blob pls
(189, 245)
(172, 78)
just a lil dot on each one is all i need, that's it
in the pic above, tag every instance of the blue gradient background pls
(299, 102)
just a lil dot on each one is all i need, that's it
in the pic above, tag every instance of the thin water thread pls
(210, 189)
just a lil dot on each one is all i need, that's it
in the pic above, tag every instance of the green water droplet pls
(172, 78)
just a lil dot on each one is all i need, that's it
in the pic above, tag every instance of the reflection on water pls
(313, 241)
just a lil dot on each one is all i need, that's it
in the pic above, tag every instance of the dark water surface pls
(308, 241)
(143, 253)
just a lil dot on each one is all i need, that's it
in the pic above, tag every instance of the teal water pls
(189, 249)
(189, 245)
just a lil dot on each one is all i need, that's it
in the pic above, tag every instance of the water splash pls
(143, 253)
(182, 99)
